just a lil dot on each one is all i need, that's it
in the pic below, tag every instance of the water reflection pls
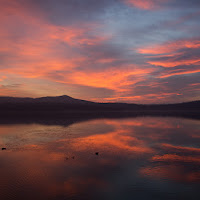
(139, 158)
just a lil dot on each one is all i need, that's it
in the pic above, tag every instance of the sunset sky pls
(135, 51)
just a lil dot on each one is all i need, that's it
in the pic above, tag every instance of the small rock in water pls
(3, 148)
(97, 153)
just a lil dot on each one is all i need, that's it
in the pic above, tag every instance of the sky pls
(135, 51)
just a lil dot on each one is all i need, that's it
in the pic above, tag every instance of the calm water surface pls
(139, 158)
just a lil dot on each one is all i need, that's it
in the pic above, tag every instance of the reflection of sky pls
(146, 157)
(109, 50)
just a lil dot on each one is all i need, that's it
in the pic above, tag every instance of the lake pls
(138, 158)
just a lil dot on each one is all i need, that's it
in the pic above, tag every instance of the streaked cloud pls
(55, 48)
(146, 4)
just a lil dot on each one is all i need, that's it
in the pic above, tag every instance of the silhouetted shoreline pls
(52, 109)
(66, 103)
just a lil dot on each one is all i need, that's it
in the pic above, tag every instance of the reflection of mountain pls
(65, 119)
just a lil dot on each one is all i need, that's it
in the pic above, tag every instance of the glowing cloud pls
(170, 47)
(51, 48)
(146, 4)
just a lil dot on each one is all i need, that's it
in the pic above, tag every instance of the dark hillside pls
(66, 103)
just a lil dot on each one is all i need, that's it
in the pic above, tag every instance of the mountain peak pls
(62, 99)
(64, 96)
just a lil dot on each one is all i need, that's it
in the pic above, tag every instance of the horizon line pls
(99, 102)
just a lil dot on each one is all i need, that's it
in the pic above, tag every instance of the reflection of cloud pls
(179, 163)
(112, 141)
(158, 148)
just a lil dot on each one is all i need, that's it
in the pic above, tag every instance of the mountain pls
(67, 103)
(59, 99)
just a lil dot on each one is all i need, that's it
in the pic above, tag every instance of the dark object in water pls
(73, 157)
(97, 153)
(3, 149)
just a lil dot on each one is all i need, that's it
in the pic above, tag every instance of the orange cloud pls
(175, 73)
(146, 4)
(2, 78)
(106, 60)
(180, 148)
(37, 55)
(195, 84)
(150, 98)
(35, 50)
(172, 63)
(172, 54)
(176, 158)
(112, 78)
(170, 47)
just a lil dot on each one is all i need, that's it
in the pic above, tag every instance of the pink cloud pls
(170, 47)
(147, 4)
